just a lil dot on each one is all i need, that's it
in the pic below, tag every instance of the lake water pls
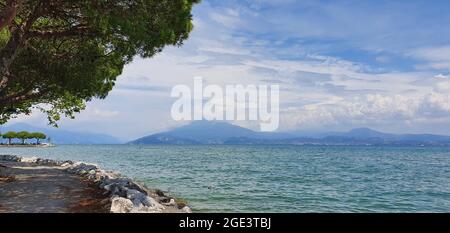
(279, 178)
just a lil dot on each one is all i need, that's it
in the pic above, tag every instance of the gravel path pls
(45, 189)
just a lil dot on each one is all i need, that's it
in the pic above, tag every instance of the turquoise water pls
(279, 178)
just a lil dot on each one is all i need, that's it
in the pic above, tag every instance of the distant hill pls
(363, 133)
(208, 132)
(366, 133)
(59, 136)
(163, 138)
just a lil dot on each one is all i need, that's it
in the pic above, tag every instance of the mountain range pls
(216, 132)
(209, 132)
(59, 136)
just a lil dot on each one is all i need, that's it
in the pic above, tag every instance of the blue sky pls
(340, 65)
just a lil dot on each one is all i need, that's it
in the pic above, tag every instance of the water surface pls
(279, 178)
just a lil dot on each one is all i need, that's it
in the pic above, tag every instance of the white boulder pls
(29, 160)
(186, 209)
(121, 205)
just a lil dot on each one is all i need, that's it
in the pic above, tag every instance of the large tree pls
(23, 135)
(57, 54)
(10, 135)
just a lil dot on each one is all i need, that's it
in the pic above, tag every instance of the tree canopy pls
(10, 135)
(57, 54)
(23, 135)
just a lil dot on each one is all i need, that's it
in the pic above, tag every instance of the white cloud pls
(255, 45)
(228, 18)
(372, 110)
(437, 58)
(93, 112)
(433, 53)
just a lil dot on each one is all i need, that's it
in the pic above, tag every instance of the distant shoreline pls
(27, 145)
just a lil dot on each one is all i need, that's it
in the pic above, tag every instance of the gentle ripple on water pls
(279, 178)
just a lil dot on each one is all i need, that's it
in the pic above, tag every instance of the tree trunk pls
(9, 13)
(16, 42)
(8, 54)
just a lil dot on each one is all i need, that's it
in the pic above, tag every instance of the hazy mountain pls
(208, 132)
(365, 133)
(163, 138)
(59, 136)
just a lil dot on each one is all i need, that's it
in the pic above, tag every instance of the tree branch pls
(58, 33)
(22, 96)
(16, 42)
(5, 79)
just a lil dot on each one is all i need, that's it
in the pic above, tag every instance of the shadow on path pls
(46, 189)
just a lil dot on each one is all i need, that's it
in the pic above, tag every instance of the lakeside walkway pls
(28, 188)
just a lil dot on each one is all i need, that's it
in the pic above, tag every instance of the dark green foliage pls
(24, 135)
(10, 135)
(38, 136)
(56, 55)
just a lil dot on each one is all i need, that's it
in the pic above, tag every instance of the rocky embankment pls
(126, 195)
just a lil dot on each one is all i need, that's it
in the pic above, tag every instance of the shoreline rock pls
(126, 195)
